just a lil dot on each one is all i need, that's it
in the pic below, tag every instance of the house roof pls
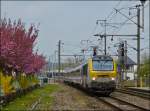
(130, 61)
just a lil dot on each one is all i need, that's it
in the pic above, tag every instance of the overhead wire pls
(114, 15)
(113, 10)
(110, 14)
(123, 23)
(126, 6)
(105, 18)
(128, 19)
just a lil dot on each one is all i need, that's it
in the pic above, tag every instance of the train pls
(97, 73)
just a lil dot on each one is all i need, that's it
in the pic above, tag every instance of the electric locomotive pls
(98, 73)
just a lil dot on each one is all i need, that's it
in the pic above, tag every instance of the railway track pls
(120, 105)
(139, 93)
(114, 102)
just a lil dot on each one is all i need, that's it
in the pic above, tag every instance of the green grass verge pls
(25, 102)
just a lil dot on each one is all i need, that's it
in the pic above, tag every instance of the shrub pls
(5, 83)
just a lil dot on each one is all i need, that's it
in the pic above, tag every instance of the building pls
(131, 68)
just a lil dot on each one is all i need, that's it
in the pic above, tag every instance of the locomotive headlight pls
(93, 78)
(113, 78)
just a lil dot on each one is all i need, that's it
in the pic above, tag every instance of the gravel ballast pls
(73, 99)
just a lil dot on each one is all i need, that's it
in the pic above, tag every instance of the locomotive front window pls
(102, 65)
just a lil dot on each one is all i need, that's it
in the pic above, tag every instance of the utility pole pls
(49, 69)
(125, 58)
(53, 76)
(138, 34)
(55, 59)
(59, 48)
(105, 36)
(138, 43)
(105, 44)
(83, 56)
(120, 63)
(143, 2)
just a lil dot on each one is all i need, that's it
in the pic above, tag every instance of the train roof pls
(75, 68)
(98, 57)
(102, 57)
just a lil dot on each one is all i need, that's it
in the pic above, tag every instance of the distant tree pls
(36, 63)
(145, 67)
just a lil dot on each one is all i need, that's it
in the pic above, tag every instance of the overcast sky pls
(73, 21)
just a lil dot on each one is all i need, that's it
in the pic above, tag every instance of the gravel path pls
(69, 98)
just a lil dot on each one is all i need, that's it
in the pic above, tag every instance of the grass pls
(25, 102)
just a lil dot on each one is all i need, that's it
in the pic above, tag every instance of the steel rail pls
(120, 106)
(130, 104)
(106, 100)
(135, 93)
(109, 103)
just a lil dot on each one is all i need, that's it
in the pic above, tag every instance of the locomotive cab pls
(102, 73)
